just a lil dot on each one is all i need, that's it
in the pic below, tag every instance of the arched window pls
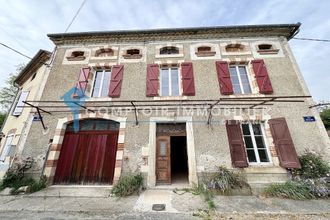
(169, 50)
(204, 49)
(265, 46)
(234, 48)
(95, 125)
(76, 55)
(104, 52)
(132, 54)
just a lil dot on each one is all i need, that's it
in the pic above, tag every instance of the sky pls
(24, 25)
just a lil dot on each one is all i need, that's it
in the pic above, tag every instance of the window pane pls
(97, 84)
(260, 142)
(175, 82)
(237, 89)
(165, 82)
(232, 71)
(256, 129)
(248, 142)
(263, 155)
(106, 84)
(162, 150)
(247, 88)
(246, 130)
(251, 156)
(234, 79)
(242, 70)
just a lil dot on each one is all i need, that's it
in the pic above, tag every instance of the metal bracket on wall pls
(39, 114)
(135, 113)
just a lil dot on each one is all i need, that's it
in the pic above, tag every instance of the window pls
(169, 82)
(6, 147)
(239, 79)
(254, 143)
(101, 83)
(104, 52)
(234, 48)
(132, 54)
(204, 49)
(77, 53)
(265, 46)
(169, 50)
(76, 56)
(19, 106)
(33, 76)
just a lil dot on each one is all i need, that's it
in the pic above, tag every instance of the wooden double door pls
(87, 158)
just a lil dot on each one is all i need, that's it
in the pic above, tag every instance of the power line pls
(311, 39)
(16, 51)
(74, 17)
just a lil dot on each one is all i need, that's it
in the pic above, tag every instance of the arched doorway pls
(89, 155)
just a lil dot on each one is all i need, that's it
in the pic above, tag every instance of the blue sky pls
(25, 24)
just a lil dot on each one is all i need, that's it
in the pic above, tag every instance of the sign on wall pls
(309, 118)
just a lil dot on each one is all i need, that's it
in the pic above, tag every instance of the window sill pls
(170, 97)
(135, 56)
(80, 58)
(247, 95)
(205, 54)
(168, 55)
(272, 51)
(92, 99)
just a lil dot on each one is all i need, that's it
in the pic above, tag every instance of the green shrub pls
(225, 180)
(127, 185)
(290, 190)
(312, 166)
(37, 186)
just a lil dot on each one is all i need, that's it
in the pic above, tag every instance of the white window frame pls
(6, 147)
(170, 80)
(254, 143)
(19, 107)
(102, 81)
(240, 80)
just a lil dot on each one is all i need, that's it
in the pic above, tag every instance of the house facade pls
(174, 104)
(30, 83)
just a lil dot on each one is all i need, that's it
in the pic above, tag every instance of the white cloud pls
(25, 24)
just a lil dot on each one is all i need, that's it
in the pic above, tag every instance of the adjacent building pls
(173, 104)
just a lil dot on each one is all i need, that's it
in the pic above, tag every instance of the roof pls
(286, 30)
(37, 61)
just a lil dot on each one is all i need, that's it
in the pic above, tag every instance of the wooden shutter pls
(226, 87)
(152, 80)
(261, 74)
(82, 82)
(283, 143)
(236, 144)
(117, 72)
(188, 84)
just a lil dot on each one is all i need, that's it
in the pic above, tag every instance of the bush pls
(289, 190)
(318, 187)
(127, 185)
(312, 166)
(225, 180)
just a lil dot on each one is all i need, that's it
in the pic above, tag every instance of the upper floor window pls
(33, 76)
(265, 47)
(204, 49)
(132, 54)
(76, 55)
(240, 79)
(254, 140)
(104, 52)
(101, 83)
(20, 103)
(169, 50)
(169, 81)
(234, 48)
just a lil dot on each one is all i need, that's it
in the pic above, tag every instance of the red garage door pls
(88, 156)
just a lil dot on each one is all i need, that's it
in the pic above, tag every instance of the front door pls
(163, 158)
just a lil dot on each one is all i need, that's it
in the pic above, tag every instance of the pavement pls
(96, 203)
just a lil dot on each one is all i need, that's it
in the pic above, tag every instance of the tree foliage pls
(8, 92)
(325, 116)
(2, 118)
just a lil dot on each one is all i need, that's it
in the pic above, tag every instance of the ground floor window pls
(255, 145)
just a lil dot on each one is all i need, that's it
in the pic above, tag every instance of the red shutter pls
(226, 87)
(263, 81)
(152, 80)
(117, 72)
(283, 143)
(82, 82)
(236, 144)
(188, 84)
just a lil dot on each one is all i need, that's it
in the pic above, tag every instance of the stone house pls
(30, 83)
(173, 104)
